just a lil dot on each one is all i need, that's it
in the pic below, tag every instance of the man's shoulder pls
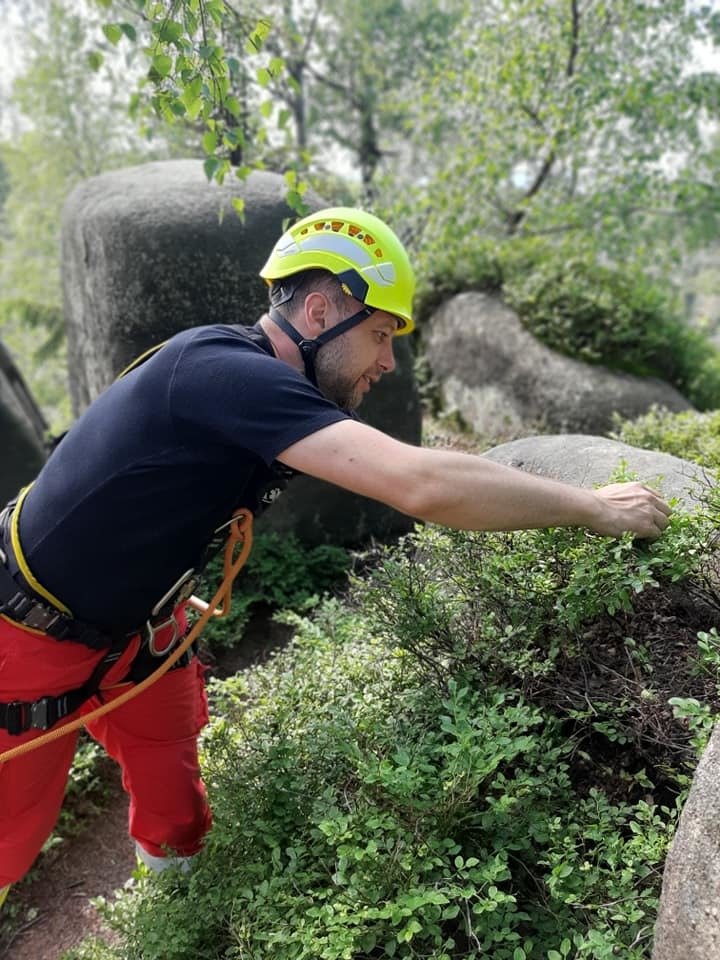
(218, 334)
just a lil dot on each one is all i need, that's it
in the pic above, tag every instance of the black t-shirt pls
(131, 496)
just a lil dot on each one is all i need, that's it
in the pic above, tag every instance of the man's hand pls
(630, 507)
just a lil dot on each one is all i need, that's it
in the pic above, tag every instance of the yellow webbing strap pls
(22, 562)
(141, 359)
(240, 535)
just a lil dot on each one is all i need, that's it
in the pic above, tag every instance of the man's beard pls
(332, 382)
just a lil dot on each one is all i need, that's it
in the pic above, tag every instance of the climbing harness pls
(25, 602)
(43, 713)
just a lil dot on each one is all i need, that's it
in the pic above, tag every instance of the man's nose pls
(387, 357)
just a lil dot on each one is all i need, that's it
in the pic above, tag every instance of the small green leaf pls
(266, 108)
(449, 913)
(208, 51)
(192, 108)
(211, 166)
(161, 65)
(232, 105)
(263, 76)
(95, 60)
(113, 31)
(258, 36)
(209, 142)
(129, 30)
(238, 205)
(170, 31)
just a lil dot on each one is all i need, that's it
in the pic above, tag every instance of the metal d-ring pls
(153, 629)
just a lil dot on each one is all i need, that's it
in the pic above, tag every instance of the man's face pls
(348, 367)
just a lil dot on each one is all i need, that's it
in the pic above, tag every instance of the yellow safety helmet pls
(359, 249)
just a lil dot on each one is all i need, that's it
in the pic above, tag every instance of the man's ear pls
(316, 313)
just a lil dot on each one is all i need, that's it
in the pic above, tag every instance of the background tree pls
(562, 119)
(68, 120)
(337, 71)
(367, 55)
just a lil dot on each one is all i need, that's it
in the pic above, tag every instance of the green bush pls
(281, 573)
(445, 270)
(476, 758)
(690, 435)
(614, 316)
(346, 829)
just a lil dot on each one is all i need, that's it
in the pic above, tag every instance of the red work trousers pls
(153, 737)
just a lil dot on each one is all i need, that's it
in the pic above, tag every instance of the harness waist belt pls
(19, 604)
(23, 606)
(19, 716)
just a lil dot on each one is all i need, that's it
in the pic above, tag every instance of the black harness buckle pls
(46, 712)
(17, 717)
(18, 606)
(40, 617)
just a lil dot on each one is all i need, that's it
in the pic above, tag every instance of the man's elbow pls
(419, 499)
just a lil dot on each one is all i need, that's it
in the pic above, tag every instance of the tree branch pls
(311, 32)
(543, 173)
(335, 85)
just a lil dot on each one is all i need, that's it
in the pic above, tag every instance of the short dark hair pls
(308, 281)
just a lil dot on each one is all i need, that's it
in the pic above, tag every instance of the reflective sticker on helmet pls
(286, 246)
(336, 243)
(384, 274)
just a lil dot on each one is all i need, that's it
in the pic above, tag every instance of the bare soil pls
(51, 910)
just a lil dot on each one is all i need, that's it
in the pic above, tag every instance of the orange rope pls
(240, 532)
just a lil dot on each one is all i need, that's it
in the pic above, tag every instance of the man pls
(97, 551)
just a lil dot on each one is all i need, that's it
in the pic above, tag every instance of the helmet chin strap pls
(309, 348)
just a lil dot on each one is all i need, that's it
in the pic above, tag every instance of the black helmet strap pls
(309, 348)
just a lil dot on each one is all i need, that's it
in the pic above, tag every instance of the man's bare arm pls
(465, 491)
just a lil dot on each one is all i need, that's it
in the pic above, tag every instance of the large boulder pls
(22, 428)
(688, 925)
(589, 461)
(504, 382)
(151, 250)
